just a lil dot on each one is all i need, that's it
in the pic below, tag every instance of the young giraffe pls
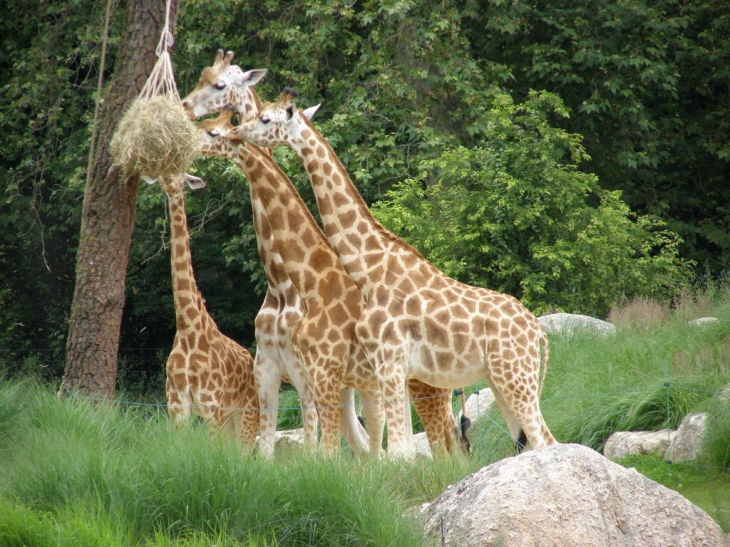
(207, 372)
(225, 85)
(418, 322)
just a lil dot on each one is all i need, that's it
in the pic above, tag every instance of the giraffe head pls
(175, 184)
(278, 123)
(212, 132)
(224, 85)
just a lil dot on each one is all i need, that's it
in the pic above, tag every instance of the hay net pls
(155, 137)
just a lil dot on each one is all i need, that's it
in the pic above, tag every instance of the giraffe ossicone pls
(418, 322)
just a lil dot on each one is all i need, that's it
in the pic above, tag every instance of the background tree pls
(407, 90)
(515, 214)
(648, 85)
(108, 217)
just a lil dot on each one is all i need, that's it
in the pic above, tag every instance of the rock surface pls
(625, 443)
(687, 444)
(568, 324)
(567, 496)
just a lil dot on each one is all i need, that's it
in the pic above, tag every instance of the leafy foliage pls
(648, 87)
(517, 215)
(413, 95)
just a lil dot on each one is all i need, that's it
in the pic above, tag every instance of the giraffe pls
(215, 92)
(223, 86)
(324, 339)
(207, 372)
(418, 322)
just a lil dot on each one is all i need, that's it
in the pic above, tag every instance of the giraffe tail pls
(545, 357)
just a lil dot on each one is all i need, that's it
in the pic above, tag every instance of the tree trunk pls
(108, 217)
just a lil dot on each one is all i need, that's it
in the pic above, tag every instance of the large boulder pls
(688, 443)
(568, 324)
(625, 443)
(565, 496)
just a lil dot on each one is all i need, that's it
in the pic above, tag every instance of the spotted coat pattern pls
(417, 323)
(208, 373)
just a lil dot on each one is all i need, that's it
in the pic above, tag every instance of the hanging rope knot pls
(166, 42)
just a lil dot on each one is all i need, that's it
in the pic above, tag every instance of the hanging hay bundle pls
(155, 137)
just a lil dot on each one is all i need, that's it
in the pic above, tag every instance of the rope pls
(197, 407)
(161, 80)
(99, 86)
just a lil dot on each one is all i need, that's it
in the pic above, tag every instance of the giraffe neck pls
(361, 242)
(189, 307)
(297, 236)
(246, 102)
(278, 281)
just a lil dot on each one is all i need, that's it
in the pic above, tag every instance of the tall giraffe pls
(207, 372)
(325, 337)
(418, 323)
(333, 301)
(223, 85)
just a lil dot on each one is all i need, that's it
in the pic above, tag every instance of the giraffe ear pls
(195, 183)
(309, 112)
(251, 77)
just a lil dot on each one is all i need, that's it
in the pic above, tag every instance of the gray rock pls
(625, 443)
(702, 321)
(288, 439)
(423, 449)
(687, 444)
(478, 404)
(568, 324)
(565, 496)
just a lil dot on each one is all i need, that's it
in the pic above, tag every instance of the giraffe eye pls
(265, 120)
(214, 133)
(220, 85)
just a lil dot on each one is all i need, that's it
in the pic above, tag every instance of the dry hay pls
(155, 137)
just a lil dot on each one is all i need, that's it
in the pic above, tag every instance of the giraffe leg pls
(398, 415)
(310, 418)
(268, 381)
(375, 417)
(250, 419)
(433, 406)
(521, 410)
(179, 403)
(510, 419)
(349, 424)
(327, 398)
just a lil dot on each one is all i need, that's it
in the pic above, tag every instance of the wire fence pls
(141, 383)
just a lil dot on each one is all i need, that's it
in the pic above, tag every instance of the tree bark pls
(108, 217)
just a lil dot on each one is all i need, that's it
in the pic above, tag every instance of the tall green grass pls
(83, 473)
(646, 377)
